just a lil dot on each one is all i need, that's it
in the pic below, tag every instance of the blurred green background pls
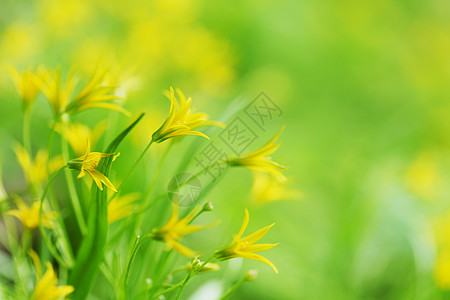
(364, 87)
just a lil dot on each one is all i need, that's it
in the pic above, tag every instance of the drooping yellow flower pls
(245, 248)
(78, 134)
(95, 94)
(175, 229)
(266, 189)
(47, 286)
(87, 163)
(29, 216)
(121, 207)
(181, 121)
(26, 85)
(36, 171)
(260, 160)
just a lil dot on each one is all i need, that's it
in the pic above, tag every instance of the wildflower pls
(87, 163)
(175, 229)
(95, 94)
(36, 170)
(260, 160)
(47, 286)
(26, 85)
(265, 190)
(77, 135)
(56, 92)
(121, 207)
(181, 121)
(245, 248)
(29, 216)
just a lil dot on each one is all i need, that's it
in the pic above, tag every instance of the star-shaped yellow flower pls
(260, 160)
(121, 207)
(245, 247)
(175, 229)
(47, 286)
(181, 121)
(29, 216)
(87, 163)
(26, 85)
(266, 189)
(95, 94)
(36, 170)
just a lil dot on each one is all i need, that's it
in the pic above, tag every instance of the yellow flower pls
(245, 248)
(260, 160)
(36, 171)
(265, 189)
(78, 134)
(95, 94)
(51, 85)
(29, 216)
(181, 121)
(47, 286)
(442, 270)
(121, 207)
(25, 84)
(175, 229)
(87, 163)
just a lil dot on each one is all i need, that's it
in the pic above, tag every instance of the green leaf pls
(92, 248)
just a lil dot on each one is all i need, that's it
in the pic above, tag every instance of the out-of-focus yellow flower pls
(442, 270)
(95, 94)
(442, 264)
(26, 85)
(260, 160)
(265, 189)
(175, 229)
(19, 42)
(29, 216)
(87, 163)
(423, 176)
(181, 121)
(76, 14)
(121, 207)
(245, 248)
(36, 171)
(78, 134)
(51, 85)
(47, 286)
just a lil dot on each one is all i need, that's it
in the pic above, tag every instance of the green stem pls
(72, 190)
(27, 235)
(50, 142)
(136, 246)
(46, 239)
(147, 203)
(233, 289)
(26, 131)
(162, 265)
(135, 164)
(191, 274)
